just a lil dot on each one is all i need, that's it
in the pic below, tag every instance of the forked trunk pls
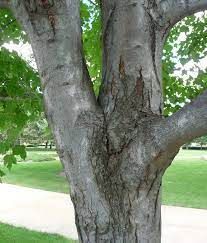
(110, 150)
(116, 148)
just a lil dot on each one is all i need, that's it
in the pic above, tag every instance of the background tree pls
(201, 140)
(115, 148)
(37, 133)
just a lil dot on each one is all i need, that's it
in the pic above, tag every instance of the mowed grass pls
(43, 175)
(184, 183)
(11, 234)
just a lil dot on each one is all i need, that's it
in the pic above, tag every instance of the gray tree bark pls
(114, 150)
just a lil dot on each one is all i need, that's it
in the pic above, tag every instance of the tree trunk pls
(46, 144)
(116, 150)
(132, 216)
(98, 149)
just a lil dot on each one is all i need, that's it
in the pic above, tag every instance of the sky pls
(23, 50)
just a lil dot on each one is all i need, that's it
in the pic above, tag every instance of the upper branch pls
(185, 125)
(54, 30)
(175, 10)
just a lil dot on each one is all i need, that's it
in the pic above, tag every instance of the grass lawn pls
(41, 175)
(11, 234)
(184, 183)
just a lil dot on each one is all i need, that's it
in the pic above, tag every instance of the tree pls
(115, 149)
(37, 132)
(201, 140)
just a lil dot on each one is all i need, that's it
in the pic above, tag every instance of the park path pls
(53, 213)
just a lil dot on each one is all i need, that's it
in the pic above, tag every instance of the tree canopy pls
(184, 77)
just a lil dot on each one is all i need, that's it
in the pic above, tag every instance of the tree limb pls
(175, 10)
(93, 3)
(6, 99)
(188, 123)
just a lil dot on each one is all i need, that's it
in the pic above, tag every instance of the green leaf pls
(2, 173)
(20, 150)
(9, 160)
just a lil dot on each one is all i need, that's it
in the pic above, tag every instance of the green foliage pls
(1, 174)
(195, 44)
(202, 140)
(36, 132)
(20, 150)
(186, 44)
(20, 96)
(10, 29)
(9, 159)
(91, 25)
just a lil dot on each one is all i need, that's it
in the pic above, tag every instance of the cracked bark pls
(114, 151)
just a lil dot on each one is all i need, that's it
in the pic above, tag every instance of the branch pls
(188, 123)
(175, 10)
(64, 70)
(24, 97)
(6, 99)
(4, 3)
(93, 3)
